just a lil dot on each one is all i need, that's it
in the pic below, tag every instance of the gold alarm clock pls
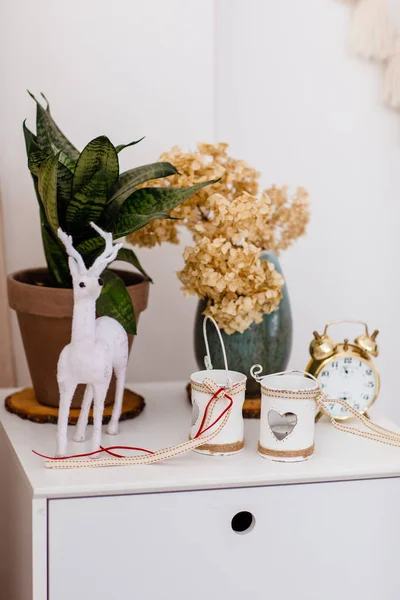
(346, 371)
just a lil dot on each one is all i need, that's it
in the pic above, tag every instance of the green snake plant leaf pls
(59, 140)
(146, 201)
(35, 155)
(115, 302)
(143, 205)
(87, 204)
(64, 159)
(50, 138)
(90, 248)
(55, 255)
(121, 147)
(43, 131)
(36, 188)
(47, 185)
(129, 180)
(30, 139)
(98, 154)
(29, 136)
(128, 256)
(130, 222)
(64, 190)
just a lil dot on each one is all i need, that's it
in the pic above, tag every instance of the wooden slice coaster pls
(251, 406)
(25, 405)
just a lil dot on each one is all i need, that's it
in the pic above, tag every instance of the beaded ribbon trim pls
(375, 433)
(291, 394)
(204, 387)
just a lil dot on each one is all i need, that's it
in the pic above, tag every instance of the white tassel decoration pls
(372, 34)
(391, 90)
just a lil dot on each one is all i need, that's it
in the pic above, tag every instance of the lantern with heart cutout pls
(287, 418)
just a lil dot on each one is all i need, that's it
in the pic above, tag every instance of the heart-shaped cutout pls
(281, 425)
(195, 413)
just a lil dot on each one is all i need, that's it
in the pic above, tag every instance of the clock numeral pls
(348, 360)
(366, 397)
(343, 409)
(325, 374)
(369, 371)
(334, 365)
(356, 406)
(370, 384)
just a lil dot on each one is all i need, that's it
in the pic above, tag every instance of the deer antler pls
(72, 253)
(109, 253)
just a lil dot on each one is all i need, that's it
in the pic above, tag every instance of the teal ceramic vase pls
(267, 343)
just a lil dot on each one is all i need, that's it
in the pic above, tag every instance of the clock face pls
(348, 378)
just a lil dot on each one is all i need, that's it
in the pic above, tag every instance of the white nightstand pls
(325, 529)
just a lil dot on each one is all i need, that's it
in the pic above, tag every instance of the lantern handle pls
(256, 371)
(207, 358)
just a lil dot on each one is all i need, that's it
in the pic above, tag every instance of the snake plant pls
(74, 188)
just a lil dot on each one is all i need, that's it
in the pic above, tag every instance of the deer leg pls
(113, 426)
(80, 431)
(100, 392)
(67, 391)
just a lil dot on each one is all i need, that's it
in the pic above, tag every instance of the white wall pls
(294, 103)
(124, 68)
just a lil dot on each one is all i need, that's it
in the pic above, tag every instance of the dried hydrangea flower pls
(287, 220)
(241, 219)
(230, 223)
(272, 221)
(230, 207)
(156, 233)
(240, 287)
(209, 161)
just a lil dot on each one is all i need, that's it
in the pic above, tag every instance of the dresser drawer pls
(303, 542)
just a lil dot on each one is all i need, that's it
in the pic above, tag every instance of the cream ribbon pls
(380, 434)
(164, 454)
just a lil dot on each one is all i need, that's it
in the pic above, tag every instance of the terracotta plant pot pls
(45, 320)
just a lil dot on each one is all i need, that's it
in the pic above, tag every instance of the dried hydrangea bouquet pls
(233, 268)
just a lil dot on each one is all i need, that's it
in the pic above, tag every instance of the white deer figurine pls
(98, 346)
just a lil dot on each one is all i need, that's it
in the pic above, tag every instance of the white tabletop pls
(165, 422)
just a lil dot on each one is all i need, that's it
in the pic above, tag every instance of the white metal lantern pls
(204, 385)
(288, 407)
